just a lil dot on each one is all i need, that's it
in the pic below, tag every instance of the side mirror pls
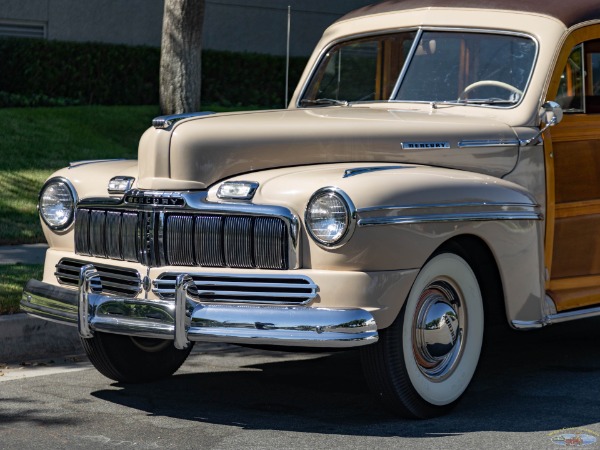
(550, 114)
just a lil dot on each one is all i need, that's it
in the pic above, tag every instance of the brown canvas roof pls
(568, 12)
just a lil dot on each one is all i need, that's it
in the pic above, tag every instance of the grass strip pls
(12, 279)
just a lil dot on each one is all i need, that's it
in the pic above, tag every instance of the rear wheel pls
(425, 360)
(133, 360)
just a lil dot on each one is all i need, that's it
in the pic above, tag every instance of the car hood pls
(198, 152)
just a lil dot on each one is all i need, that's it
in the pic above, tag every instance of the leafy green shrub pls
(88, 73)
(37, 72)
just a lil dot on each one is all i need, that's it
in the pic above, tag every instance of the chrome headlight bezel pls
(349, 221)
(65, 184)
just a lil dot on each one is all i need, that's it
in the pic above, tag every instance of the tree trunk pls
(180, 58)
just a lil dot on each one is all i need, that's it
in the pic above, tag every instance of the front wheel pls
(425, 360)
(130, 359)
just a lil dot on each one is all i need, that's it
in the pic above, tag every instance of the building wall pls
(239, 25)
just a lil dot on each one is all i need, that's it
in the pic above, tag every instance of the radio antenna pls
(287, 55)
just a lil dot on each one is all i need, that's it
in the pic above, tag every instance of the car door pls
(573, 175)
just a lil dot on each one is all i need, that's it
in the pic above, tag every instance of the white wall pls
(239, 25)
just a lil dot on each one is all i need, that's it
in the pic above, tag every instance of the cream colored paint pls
(375, 269)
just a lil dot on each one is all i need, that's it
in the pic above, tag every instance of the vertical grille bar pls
(238, 241)
(113, 235)
(98, 233)
(82, 232)
(179, 240)
(128, 236)
(270, 243)
(145, 238)
(208, 241)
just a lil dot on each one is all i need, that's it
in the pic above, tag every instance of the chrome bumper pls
(186, 319)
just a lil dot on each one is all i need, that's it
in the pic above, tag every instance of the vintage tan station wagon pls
(436, 173)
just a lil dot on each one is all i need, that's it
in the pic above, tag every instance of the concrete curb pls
(25, 338)
(23, 254)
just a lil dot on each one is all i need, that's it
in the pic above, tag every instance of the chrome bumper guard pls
(186, 319)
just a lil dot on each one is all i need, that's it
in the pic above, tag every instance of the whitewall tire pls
(426, 359)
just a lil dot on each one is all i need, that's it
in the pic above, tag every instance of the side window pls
(592, 77)
(579, 88)
(570, 89)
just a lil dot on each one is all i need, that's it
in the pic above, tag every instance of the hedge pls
(36, 72)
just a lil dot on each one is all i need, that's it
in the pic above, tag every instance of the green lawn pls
(12, 280)
(37, 141)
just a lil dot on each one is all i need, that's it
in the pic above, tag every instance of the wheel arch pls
(480, 257)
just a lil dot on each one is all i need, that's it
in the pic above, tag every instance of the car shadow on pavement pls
(527, 382)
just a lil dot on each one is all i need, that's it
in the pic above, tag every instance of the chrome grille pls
(115, 280)
(273, 289)
(156, 238)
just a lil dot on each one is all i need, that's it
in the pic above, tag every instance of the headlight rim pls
(350, 211)
(73, 193)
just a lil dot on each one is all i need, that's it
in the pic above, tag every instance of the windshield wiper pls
(323, 102)
(486, 101)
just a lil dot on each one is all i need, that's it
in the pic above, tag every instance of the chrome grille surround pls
(114, 280)
(183, 229)
(237, 288)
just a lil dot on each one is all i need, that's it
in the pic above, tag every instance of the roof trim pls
(569, 13)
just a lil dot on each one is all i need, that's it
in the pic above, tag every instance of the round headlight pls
(329, 217)
(57, 203)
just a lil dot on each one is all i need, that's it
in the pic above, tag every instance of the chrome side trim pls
(187, 319)
(551, 319)
(459, 212)
(165, 122)
(75, 164)
(479, 143)
(360, 170)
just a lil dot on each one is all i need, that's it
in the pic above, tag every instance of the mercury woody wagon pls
(423, 185)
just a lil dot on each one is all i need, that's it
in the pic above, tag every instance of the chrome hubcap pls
(438, 329)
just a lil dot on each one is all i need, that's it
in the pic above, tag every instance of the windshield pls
(425, 66)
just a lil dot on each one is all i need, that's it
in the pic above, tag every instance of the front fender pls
(405, 212)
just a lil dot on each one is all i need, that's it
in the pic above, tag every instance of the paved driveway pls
(529, 389)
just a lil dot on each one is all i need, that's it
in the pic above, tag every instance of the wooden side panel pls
(577, 169)
(577, 249)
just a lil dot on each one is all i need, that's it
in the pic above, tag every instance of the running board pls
(551, 319)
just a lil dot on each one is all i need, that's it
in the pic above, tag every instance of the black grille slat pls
(270, 243)
(179, 241)
(82, 232)
(238, 242)
(98, 233)
(114, 280)
(129, 245)
(155, 238)
(113, 235)
(208, 237)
